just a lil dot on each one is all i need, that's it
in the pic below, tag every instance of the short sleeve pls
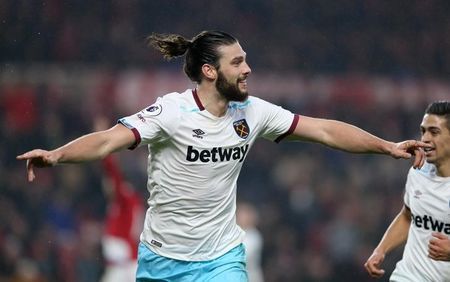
(155, 123)
(277, 122)
(408, 189)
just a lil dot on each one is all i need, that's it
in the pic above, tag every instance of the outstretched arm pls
(396, 234)
(89, 147)
(346, 137)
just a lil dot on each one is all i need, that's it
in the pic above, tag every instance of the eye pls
(422, 130)
(434, 132)
(237, 61)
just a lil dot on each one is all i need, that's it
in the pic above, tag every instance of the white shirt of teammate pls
(428, 197)
(193, 166)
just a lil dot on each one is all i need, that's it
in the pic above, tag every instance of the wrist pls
(388, 148)
(380, 251)
(56, 157)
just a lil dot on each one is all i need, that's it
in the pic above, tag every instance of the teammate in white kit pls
(197, 143)
(424, 221)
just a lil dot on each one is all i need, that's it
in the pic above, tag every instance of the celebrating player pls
(197, 143)
(424, 220)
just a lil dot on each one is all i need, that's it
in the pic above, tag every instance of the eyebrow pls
(429, 127)
(238, 59)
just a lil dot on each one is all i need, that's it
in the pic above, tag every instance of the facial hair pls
(230, 91)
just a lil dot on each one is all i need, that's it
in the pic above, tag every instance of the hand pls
(439, 247)
(373, 264)
(38, 158)
(409, 148)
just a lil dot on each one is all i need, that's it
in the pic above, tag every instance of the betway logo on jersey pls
(216, 154)
(427, 222)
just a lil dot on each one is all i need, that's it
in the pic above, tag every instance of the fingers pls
(438, 235)
(416, 144)
(30, 171)
(372, 265)
(423, 158)
(436, 248)
(31, 154)
(33, 158)
(421, 144)
(419, 159)
(434, 252)
(412, 145)
(409, 148)
(373, 269)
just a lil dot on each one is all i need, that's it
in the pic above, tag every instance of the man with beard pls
(197, 142)
(424, 220)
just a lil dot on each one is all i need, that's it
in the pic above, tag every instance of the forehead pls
(430, 120)
(229, 52)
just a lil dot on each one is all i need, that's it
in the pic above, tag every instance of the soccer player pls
(123, 225)
(197, 142)
(424, 220)
(123, 222)
(247, 218)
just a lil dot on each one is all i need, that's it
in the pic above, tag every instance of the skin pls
(436, 134)
(235, 70)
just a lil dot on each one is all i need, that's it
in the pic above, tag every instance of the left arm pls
(349, 138)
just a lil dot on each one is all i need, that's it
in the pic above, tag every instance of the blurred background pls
(376, 64)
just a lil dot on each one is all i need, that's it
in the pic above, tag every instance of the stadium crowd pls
(321, 211)
(311, 36)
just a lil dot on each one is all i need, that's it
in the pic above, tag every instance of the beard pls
(230, 91)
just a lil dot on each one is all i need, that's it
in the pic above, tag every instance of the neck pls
(443, 170)
(211, 99)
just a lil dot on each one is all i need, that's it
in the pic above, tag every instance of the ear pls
(209, 71)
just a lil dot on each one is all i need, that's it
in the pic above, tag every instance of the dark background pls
(376, 64)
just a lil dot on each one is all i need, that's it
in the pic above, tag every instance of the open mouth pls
(243, 82)
(428, 150)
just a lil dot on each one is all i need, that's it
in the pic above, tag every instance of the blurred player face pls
(435, 132)
(231, 80)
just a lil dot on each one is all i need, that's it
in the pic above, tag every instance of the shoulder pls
(427, 171)
(175, 97)
(251, 102)
(171, 102)
(258, 101)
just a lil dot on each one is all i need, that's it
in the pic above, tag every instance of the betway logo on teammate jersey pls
(428, 223)
(216, 154)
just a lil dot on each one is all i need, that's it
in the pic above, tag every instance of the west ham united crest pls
(241, 128)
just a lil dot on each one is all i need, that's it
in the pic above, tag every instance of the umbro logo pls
(198, 133)
(417, 194)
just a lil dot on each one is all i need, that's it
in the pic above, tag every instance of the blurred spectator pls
(311, 36)
(247, 218)
(64, 61)
(44, 223)
(124, 220)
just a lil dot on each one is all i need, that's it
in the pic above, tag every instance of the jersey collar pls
(197, 99)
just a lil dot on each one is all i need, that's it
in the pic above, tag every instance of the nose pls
(247, 70)
(425, 137)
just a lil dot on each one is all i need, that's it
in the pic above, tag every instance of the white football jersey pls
(428, 197)
(193, 166)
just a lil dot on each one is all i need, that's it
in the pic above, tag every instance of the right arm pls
(395, 235)
(89, 147)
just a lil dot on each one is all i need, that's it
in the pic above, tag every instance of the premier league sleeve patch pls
(154, 109)
(241, 127)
